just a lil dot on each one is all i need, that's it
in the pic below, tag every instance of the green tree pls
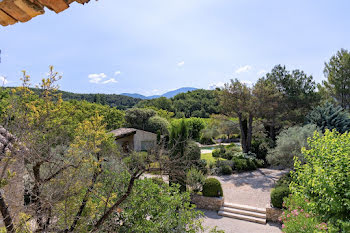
(237, 100)
(337, 72)
(138, 117)
(329, 116)
(298, 92)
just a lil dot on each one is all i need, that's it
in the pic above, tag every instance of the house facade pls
(130, 139)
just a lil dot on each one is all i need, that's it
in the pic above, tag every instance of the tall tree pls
(298, 90)
(268, 105)
(236, 99)
(337, 72)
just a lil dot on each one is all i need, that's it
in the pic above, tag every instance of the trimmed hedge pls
(212, 188)
(277, 196)
(226, 170)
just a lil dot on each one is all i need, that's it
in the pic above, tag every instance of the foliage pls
(277, 196)
(298, 219)
(236, 99)
(212, 188)
(112, 100)
(194, 125)
(284, 180)
(219, 152)
(243, 164)
(156, 208)
(337, 72)
(192, 151)
(195, 180)
(138, 117)
(157, 124)
(298, 92)
(289, 145)
(199, 103)
(329, 116)
(226, 170)
(209, 158)
(260, 147)
(323, 181)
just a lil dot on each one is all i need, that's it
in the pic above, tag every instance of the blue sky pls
(153, 46)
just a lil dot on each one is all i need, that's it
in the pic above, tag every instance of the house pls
(131, 139)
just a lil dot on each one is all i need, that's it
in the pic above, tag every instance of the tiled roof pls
(12, 11)
(123, 132)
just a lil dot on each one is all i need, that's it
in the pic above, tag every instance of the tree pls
(158, 124)
(298, 92)
(138, 117)
(337, 72)
(236, 99)
(329, 116)
(269, 105)
(78, 180)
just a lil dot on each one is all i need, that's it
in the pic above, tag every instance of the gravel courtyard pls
(248, 188)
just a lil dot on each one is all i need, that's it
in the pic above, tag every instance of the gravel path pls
(250, 188)
(230, 225)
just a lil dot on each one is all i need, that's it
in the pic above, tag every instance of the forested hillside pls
(119, 101)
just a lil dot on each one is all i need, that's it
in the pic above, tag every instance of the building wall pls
(128, 139)
(144, 137)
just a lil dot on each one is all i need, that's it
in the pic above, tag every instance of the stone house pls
(130, 139)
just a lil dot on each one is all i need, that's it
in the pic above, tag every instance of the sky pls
(153, 46)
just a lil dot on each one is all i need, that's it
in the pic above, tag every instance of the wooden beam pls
(14, 11)
(55, 5)
(30, 8)
(82, 1)
(5, 19)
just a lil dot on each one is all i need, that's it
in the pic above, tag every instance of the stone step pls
(245, 207)
(242, 217)
(243, 212)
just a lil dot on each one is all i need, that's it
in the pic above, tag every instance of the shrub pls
(289, 144)
(259, 147)
(285, 180)
(240, 164)
(329, 116)
(206, 140)
(277, 195)
(158, 181)
(259, 163)
(324, 179)
(226, 170)
(228, 155)
(192, 151)
(195, 179)
(202, 166)
(216, 153)
(212, 188)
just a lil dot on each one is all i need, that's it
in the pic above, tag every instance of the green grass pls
(209, 158)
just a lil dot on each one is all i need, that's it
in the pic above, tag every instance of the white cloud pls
(111, 80)
(100, 78)
(117, 73)
(3, 80)
(213, 86)
(261, 72)
(181, 63)
(243, 69)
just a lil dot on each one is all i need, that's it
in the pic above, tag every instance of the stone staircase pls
(243, 212)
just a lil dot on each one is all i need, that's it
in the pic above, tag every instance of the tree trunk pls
(243, 128)
(249, 132)
(6, 216)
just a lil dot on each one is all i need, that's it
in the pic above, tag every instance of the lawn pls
(209, 158)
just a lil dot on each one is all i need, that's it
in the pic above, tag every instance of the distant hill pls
(119, 101)
(169, 94)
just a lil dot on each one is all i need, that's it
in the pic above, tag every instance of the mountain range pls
(168, 94)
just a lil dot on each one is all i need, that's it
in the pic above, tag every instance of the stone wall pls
(207, 203)
(272, 214)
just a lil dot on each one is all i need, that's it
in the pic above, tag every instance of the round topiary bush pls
(212, 188)
(226, 170)
(277, 196)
